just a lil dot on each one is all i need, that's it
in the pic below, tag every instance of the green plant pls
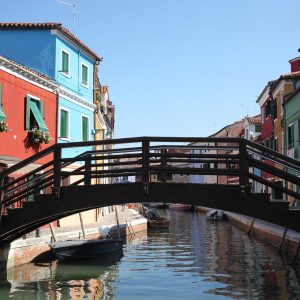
(3, 126)
(37, 136)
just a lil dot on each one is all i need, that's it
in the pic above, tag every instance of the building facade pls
(28, 107)
(52, 50)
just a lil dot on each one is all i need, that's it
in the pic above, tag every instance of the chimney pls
(295, 64)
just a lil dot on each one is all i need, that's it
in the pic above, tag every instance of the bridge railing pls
(148, 160)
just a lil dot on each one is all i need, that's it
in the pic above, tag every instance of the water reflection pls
(194, 259)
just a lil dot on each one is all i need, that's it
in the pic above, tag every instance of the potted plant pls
(3, 126)
(37, 136)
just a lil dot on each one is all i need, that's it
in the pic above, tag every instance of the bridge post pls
(1, 195)
(243, 166)
(57, 170)
(87, 175)
(145, 165)
(163, 175)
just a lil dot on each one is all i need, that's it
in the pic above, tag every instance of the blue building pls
(52, 50)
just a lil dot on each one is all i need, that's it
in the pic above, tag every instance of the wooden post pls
(242, 164)
(88, 168)
(251, 226)
(57, 170)
(1, 195)
(145, 164)
(282, 240)
(118, 225)
(52, 232)
(163, 176)
(81, 224)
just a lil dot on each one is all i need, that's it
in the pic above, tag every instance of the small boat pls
(85, 249)
(154, 220)
(215, 214)
(181, 207)
(158, 223)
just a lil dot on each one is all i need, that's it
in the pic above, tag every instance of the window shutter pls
(84, 129)
(27, 113)
(42, 104)
(63, 124)
(84, 75)
(2, 114)
(65, 62)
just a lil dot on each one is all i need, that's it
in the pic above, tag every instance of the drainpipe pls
(57, 121)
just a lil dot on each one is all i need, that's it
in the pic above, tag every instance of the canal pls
(194, 259)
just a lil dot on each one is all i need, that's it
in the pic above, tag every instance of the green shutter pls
(2, 114)
(38, 116)
(65, 62)
(84, 70)
(63, 124)
(85, 127)
(27, 113)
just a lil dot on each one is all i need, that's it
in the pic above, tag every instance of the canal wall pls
(268, 232)
(35, 249)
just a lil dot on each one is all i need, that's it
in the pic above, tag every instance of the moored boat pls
(71, 250)
(158, 223)
(215, 214)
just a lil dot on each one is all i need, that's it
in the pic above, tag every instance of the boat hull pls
(81, 249)
(214, 215)
(159, 223)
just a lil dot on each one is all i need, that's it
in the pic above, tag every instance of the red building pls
(28, 112)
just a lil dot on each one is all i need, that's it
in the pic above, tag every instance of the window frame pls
(290, 134)
(28, 110)
(69, 63)
(87, 75)
(87, 130)
(67, 138)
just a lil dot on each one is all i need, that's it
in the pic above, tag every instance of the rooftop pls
(58, 26)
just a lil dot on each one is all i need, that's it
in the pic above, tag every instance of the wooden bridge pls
(171, 170)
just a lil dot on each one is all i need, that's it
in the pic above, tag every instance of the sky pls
(178, 67)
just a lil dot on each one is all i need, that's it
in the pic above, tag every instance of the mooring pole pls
(282, 240)
(251, 226)
(81, 224)
(52, 232)
(117, 220)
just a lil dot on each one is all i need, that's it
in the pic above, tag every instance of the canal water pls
(194, 259)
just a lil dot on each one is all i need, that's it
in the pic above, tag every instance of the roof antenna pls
(74, 11)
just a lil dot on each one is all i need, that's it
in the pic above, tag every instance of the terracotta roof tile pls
(57, 26)
(254, 120)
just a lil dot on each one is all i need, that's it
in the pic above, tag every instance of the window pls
(290, 137)
(274, 109)
(85, 128)
(2, 114)
(257, 128)
(84, 75)
(65, 63)
(64, 123)
(34, 116)
(268, 109)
